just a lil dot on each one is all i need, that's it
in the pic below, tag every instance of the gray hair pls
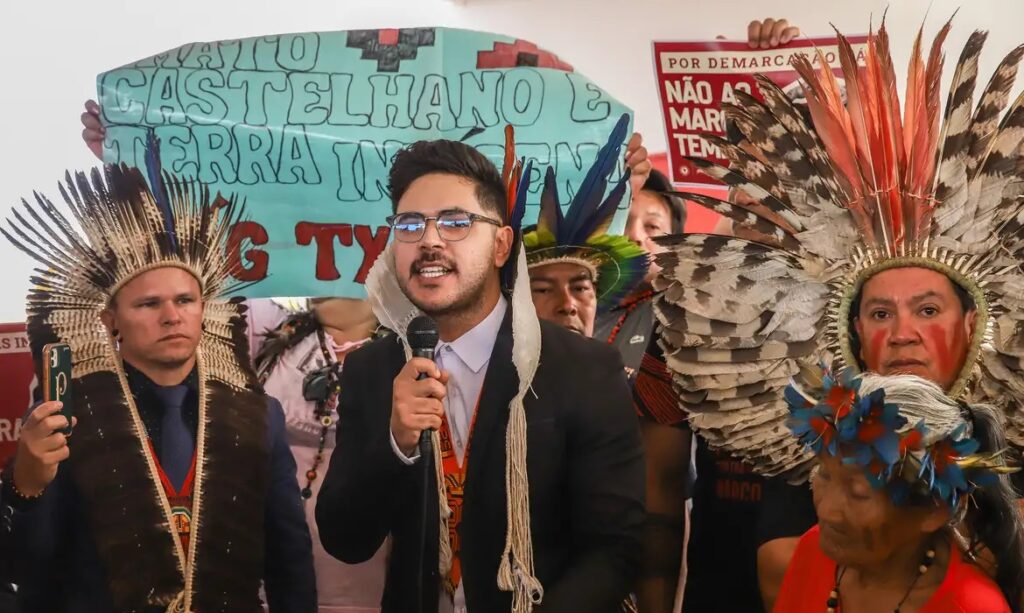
(920, 400)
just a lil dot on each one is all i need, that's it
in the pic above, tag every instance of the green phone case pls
(57, 375)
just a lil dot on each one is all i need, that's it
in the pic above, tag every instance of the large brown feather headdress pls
(859, 189)
(120, 228)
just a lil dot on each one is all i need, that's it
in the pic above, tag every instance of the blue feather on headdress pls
(154, 172)
(519, 210)
(585, 213)
(581, 232)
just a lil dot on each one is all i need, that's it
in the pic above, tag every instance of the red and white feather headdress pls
(859, 189)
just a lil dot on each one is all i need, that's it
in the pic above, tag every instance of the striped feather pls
(750, 168)
(773, 233)
(822, 180)
(774, 210)
(798, 167)
(991, 105)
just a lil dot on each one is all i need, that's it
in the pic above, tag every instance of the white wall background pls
(51, 52)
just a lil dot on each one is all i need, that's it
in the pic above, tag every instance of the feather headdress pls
(127, 229)
(580, 235)
(859, 189)
(515, 176)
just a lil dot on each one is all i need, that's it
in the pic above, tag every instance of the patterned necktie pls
(176, 439)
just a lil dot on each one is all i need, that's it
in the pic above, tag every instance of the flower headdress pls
(902, 430)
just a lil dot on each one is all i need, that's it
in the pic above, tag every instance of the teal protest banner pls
(303, 128)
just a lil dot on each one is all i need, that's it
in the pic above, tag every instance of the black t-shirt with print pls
(729, 523)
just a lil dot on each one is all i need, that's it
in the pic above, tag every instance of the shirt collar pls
(140, 384)
(474, 348)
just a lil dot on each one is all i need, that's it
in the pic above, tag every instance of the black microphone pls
(422, 337)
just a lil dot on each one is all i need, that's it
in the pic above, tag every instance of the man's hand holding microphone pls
(417, 402)
(417, 396)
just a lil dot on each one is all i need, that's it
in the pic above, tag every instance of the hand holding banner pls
(696, 78)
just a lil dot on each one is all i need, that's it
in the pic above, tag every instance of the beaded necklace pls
(832, 604)
(322, 412)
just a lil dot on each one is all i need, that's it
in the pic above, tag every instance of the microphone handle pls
(426, 459)
(425, 443)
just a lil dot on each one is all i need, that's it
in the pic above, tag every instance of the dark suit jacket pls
(50, 550)
(585, 466)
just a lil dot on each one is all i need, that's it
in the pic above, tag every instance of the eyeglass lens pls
(452, 226)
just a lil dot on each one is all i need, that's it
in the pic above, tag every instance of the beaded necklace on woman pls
(834, 598)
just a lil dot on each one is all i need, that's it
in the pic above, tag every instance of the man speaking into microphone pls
(534, 495)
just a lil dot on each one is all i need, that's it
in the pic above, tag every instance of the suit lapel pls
(500, 385)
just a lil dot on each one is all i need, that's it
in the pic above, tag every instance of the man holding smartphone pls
(176, 490)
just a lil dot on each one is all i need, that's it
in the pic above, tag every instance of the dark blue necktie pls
(176, 440)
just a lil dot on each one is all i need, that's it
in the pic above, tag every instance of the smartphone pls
(57, 378)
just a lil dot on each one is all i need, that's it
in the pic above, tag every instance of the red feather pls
(888, 159)
(888, 85)
(943, 455)
(911, 441)
(829, 122)
(889, 110)
(923, 165)
(871, 429)
(511, 171)
(883, 147)
(823, 428)
(841, 400)
(833, 126)
(858, 112)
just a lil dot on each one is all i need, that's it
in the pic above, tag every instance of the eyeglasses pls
(451, 225)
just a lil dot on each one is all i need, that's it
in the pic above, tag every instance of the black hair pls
(658, 183)
(450, 158)
(993, 516)
(967, 305)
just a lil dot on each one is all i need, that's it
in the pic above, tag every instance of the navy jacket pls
(53, 559)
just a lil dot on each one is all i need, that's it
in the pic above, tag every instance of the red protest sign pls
(695, 78)
(15, 385)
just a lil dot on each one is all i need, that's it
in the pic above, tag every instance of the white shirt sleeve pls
(407, 460)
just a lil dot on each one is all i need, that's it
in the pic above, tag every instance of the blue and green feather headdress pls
(580, 235)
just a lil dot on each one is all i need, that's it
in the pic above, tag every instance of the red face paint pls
(876, 345)
(947, 346)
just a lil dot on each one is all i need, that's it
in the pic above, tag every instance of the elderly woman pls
(909, 488)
